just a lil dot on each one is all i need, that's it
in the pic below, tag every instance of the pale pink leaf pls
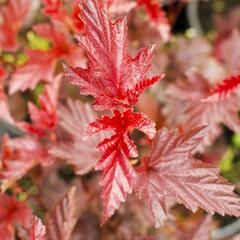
(81, 151)
(62, 219)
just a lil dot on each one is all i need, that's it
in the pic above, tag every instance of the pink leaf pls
(18, 156)
(230, 52)
(171, 172)
(81, 152)
(189, 93)
(141, 86)
(61, 221)
(40, 67)
(37, 230)
(120, 7)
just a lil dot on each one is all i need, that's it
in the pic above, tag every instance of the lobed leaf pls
(60, 222)
(111, 72)
(80, 151)
(171, 172)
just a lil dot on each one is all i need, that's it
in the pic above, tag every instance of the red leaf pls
(171, 172)
(11, 212)
(3, 73)
(56, 10)
(117, 172)
(81, 152)
(37, 230)
(111, 72)
(140, 87)
(52, 7)
(116, 181)
(12, 16)
(61, 221)
(224, 89)
(157, 18)
(44, 117)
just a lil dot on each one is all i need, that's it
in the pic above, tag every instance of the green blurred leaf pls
(9, 58)
(22, 196)
(236, 140)
(25, 183)
(33, 190)
(21, 59)
(226, 162)
(37, 92)
(38, 43)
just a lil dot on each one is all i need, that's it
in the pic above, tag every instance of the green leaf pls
(21, 59)
(236, 140)
(226, 162)
(36, 42)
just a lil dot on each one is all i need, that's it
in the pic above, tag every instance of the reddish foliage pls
(56, 10)
(40, 67)
(37, 230)
(18, 156)
(157, 17)
(44, 118)
(12, 16)
(111, 74)
(171, 172)
(189, 94)
(117, 172)
(11, 212)
(81, 151)
(52, 7)
(57, 128)
(225, 88)
(41, 64)
(61, 221)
